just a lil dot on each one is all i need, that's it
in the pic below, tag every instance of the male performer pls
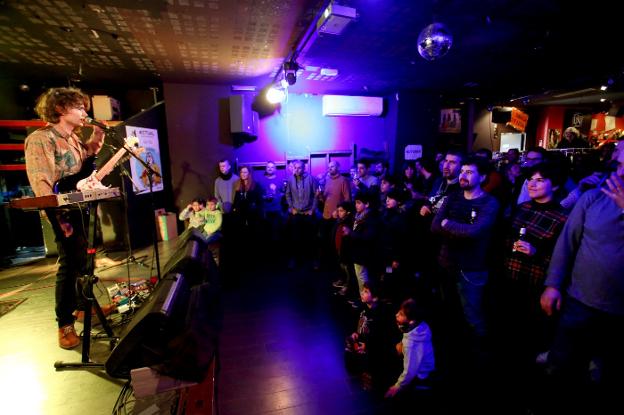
(53, 152)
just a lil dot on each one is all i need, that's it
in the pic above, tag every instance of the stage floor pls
(280, 351)
(29, 344)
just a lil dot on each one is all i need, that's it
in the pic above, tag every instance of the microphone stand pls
(150, 176)
(130, 258)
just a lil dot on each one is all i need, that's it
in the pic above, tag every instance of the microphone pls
(91, 121)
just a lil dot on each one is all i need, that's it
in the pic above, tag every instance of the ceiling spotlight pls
(275, 95)
(603, 88)
(603, 99)
(290, 72)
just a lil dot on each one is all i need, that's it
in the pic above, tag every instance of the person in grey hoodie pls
(416, 348)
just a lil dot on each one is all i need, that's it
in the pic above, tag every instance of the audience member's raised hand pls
(524, 247)
(589, 182)
(616, 190)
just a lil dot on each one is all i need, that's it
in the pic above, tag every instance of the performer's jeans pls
(72, 262)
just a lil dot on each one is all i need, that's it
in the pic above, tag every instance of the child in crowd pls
(194, 212)
(346, 282)
(364, 239)
(213, 219)
(416, 348)
(369, 349)
(212, 228)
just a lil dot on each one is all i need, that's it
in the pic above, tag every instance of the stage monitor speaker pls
(500, 117)
(193, 257)
(157, 322)
(174, 331)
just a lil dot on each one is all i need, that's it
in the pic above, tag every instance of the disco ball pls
(434, 41)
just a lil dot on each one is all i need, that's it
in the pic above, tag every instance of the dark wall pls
(198, 123)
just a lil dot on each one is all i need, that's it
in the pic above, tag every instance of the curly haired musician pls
(53, 152)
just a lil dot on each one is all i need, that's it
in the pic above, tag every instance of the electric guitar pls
(88, 178)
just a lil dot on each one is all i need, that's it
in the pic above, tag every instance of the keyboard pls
(51, 201)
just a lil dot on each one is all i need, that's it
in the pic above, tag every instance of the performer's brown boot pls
(68, 339)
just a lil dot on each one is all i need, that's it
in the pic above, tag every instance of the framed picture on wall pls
(450, 120)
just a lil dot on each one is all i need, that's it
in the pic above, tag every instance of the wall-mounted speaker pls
(616, 111)
(242, 118)
(500, 116)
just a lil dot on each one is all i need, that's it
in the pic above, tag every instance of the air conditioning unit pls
(343, 105)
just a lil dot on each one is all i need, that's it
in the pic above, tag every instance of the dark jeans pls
(302, 240)
(585, 334)
(72, 252)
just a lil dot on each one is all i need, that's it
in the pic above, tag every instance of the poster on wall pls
(450, 120)
(413, 151)
(148, 140)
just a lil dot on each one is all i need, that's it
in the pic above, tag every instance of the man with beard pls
(301, 223)
(446, 184)
(336, 190)
(464, 223)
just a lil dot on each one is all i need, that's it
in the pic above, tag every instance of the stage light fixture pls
(275, 95)
(290, 72)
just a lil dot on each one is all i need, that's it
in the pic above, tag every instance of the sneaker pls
(68, 339)
(338, 284)
(107, 309)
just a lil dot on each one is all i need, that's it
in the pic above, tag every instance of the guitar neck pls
(110, 164)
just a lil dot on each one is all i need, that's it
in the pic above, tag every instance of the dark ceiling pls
(502, 49)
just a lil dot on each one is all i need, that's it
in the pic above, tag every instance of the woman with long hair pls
(247, 206)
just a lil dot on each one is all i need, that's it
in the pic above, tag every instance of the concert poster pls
(450, 120)
(148, 140)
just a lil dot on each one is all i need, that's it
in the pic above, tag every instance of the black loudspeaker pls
(243, 120)
(500, 117)
(175, 330)
(157, 322)
(192, 256)
(616, 110)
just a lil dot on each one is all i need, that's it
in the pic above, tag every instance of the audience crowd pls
(452, 261)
